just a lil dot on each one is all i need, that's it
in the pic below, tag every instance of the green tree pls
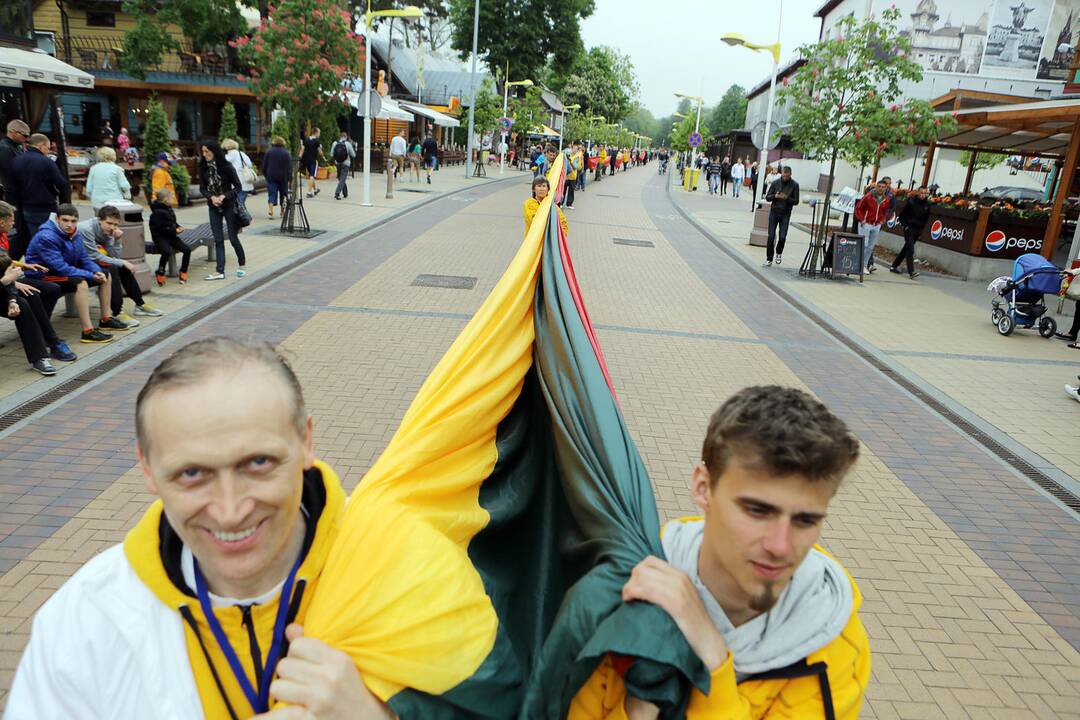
(640, 120)
(603, 83)
(155, 136)
(730, 113)
(284, 127)
(228, 128)
(523, 33)
(984, 161)
(488, 108)
(843, 99)
(528, 112)
(680, 136)
(206, 23)
(302, 57)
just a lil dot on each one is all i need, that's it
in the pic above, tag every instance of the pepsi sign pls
(996, 241)
(939, 229)
(891, 222)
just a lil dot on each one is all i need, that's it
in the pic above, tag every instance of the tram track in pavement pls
(27, 409)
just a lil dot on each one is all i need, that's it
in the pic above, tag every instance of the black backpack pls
(341, 153)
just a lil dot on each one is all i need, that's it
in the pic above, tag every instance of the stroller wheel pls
(1047, 327)
(1005, 325)
(995, 316)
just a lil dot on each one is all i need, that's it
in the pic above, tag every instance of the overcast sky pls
(675, 44)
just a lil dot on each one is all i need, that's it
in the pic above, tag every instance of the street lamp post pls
(697, 125)
(562, 130)
(506, 99)
(735, 39)
(470, 143)
(410, 11)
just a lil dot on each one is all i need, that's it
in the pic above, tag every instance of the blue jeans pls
(736, 185)
(870, 236)
(276, 191)
(714, 183)
(231, 221)
(342, 177)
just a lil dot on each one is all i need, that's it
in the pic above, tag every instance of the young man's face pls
(67, 223)
(109, 224)
(550, 154)
(6, 223)
(786, 174)
(758, 529)
(923, 193)
(227, 460)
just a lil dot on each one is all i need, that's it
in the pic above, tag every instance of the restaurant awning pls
(1035, 128)
(389, 110)
(544, 131)
(36, 66)
(431, 114)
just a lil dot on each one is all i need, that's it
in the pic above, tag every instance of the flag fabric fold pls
(479, 564)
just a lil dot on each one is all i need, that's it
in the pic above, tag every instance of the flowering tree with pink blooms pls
(302, 57)
(845, 101)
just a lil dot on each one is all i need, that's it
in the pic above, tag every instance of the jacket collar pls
(153, 548)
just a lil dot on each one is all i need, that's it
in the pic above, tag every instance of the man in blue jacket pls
(36, 187)
(58, 247)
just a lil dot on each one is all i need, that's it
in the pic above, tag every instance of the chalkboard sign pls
(847, 254)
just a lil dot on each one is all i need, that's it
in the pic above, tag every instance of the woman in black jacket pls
(219, 184)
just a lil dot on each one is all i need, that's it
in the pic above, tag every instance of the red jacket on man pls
(870, 211)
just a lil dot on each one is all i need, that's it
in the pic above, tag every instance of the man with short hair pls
(430, 150)
(36, 188)
(190, 616)
(714, 173)
(765, 609)
(871, 211)
(782, 194)
(309, 160)
(398, 149)
(343, 153)
(99, 235)
(913, 217)
(56, 247)
(12, 145)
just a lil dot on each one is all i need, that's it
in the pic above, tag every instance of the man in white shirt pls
(398, 148)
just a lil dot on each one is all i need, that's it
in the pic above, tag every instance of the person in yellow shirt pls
(772, 616)
(573, 167)
(540, 189)
(160, 178)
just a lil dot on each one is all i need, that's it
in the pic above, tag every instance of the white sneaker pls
(779, 259)
(215, 276)
(768, 263)
(1073, 392)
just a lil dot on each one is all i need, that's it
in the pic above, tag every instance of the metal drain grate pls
(412, 190)
(634, 243)
(1044, 481)
(451, 282)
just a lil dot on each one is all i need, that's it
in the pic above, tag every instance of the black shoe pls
(870, 269)
(894, 269)
(337, 197)
(1065, 336)
(113, 324)
(914, 274)
(95, 336)
(44, 367)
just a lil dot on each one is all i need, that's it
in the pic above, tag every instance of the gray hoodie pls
(810, 613)
(92, 236)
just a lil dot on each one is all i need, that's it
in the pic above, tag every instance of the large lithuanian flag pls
(479, 566)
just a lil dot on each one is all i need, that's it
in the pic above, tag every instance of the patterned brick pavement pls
(957, 632)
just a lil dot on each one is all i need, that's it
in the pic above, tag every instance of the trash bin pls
(690, 178)
(133, 242)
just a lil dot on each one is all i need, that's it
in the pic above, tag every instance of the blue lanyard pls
(260, 702)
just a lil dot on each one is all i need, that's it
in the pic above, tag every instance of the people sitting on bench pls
(100, 235)
(164, 230)
(56, 247)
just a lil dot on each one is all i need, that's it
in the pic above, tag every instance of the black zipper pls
(253, 642)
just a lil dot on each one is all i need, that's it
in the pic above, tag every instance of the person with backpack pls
(343, 154)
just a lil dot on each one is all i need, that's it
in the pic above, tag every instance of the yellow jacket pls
(532, 205)
(161, 178)
(798, 695)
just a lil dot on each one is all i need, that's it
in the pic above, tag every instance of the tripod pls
(294, 220)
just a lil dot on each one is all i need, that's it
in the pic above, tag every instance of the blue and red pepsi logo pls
(891, 222)
(995, 240)
(935, 229)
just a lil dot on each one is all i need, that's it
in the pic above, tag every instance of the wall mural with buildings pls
(1001, 38)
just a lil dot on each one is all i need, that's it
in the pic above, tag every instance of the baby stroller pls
(1019, 299)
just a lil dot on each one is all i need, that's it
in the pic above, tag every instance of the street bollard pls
(389, 179)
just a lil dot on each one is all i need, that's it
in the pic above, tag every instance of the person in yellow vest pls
(574, 164)
(540, 189)
(772, 616)
(200, 612)
(160, 177)
(602, 162)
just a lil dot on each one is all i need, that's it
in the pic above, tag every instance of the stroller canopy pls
(1045, 276)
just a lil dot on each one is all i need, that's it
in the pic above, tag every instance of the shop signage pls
(996, 241)
(940, 230)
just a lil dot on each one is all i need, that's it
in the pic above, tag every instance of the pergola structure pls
(1047, 129)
